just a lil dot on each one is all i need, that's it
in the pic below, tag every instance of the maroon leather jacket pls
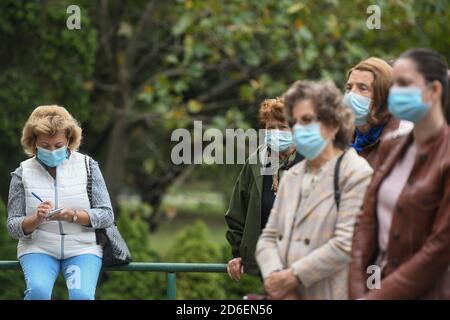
(418, 254)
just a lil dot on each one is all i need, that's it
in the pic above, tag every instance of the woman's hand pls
(65, 215)
(42, 210)
(30, 223)
(281, 284)
(235, 268)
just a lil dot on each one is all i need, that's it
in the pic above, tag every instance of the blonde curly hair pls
(49, 120)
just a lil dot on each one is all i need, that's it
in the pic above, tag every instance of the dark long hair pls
(433, 67)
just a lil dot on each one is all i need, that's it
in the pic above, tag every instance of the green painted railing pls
(170, 269)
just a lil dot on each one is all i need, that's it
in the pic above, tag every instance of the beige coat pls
(315, 240)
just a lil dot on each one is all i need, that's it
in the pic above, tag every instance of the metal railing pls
(170, 269)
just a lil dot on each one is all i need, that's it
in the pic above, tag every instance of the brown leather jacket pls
(370, 152)
(418, 254)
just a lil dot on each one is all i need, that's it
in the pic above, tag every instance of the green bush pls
(133, 285)
(238, 289)
(191, 245)
(12, 284)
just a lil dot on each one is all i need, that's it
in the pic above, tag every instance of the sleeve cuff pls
(19, 229)
(267, 271)
(97, 222)
(303, 273)
(92, 219)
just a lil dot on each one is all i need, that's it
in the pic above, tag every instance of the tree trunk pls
(116, 157)
(118, 144)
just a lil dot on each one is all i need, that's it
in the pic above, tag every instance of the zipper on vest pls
(61, 230)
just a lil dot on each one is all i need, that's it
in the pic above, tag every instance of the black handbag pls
(115, 250)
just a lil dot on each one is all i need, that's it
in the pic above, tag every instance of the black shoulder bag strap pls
(87, 163)
(337, 191)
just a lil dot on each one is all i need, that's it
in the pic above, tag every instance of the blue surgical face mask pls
(308, 140)
(360, 106)
(52, 158)
(278, 140)
(407, 104)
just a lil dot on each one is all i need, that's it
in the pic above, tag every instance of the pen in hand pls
(50, 213)
(37, 197)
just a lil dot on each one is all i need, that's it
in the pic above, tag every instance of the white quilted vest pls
(58, 238)
(67, 190)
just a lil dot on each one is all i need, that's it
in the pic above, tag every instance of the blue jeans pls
(41, 270)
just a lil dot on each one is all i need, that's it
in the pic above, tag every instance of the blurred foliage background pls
(137, 70)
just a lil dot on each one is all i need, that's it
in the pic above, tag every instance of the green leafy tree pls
(41, 62)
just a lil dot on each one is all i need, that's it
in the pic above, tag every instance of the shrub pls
(12, 283)
(126, 285)
(192, 245)
(238, 289)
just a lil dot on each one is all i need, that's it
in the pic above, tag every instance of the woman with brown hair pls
(304, 250)
(405, 224)
(367, 89)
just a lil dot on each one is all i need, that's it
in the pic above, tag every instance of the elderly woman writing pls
(55, 176)
(304, 250)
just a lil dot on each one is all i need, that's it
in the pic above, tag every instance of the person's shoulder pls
(27, 163)
(258, 157)
(398, 129)
(353, 162)
(396, 138)
(17, 172)
(296, 169)
(84, 157)
(255, 160)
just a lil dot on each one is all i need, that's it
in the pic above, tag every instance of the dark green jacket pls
(244, 215)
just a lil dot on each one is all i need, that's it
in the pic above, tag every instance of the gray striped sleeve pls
(101, 214)
(16, 206)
